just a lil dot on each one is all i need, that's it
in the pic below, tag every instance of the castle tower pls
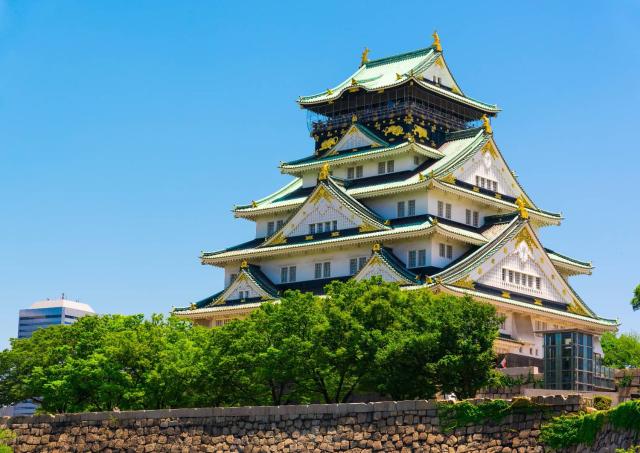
(406, 181)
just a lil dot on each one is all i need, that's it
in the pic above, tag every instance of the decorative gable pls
(246, 286)
(385, 265)
(357, 137)
(488, 170)
(522, 266)
(327, 210)
(439, 73)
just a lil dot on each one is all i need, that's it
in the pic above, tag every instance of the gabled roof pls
(357, 136)
(327, 189)
(385, 264)
(395, 71)
(520, 230)
(248, 273)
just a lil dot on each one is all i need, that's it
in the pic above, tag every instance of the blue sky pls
(128, 130)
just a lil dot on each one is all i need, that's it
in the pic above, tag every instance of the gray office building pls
(42, 314)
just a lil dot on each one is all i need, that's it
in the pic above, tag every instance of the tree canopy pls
(622, 351)
(635, 301)
(362, 338)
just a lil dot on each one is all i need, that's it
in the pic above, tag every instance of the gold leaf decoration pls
(465, 283)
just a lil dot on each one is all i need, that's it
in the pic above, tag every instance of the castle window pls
(537, 282)
(270, 228)
(356, 264)
(312, 228)
(416, 160)
(486, 183)
(323, 270)
(243, 294)
(279, 224)
(445, 251)
(440, 209)
(417, 258)
(381, 168)
(476, 218)
(390, 166)
(354, 172)
(447, 210)
(287, 274)
(401, 209)
(411, 207)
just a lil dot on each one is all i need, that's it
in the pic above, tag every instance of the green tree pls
(621, 351)
(635, 301)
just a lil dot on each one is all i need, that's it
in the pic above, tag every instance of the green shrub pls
(601, 402)
(569, 430)
(455, 415)
(5, 436)
(635, 449)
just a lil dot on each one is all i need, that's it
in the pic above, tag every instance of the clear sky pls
(129, 129)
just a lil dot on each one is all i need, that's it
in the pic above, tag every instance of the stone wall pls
(358, 427)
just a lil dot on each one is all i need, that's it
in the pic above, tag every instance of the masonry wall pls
(359, 427)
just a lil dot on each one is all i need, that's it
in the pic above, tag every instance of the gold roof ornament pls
(192, 307)
(244, 264)
(486, 124)
(436, 41)
(354, 118)
(329, 91)
(254, 204)
(354, 82)
(522, 208)
(376, 247)
(364, 59)
(324, 173)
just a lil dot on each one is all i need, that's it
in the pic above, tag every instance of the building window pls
(422, 258)
(279, 224)
(401, 209)
(520, 279)
(270, 228)
(416, 160)
(486, 183)
(381, 168)
(412, 258)
(411, 205)
(390, 166)
(445, 251)
(447, 210)
(323, 227)
(356, 264)
(354, 172)
(467, 216)
(440, 209)
(243, 294)
(476, 218)
(503, 323)
(288, 274)
(323, 270)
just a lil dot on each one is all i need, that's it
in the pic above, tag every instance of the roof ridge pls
(398, 57)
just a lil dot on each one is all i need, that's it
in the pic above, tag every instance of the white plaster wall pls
(243, 286)
(441, 72)
(262, 224)
(323, 211)
(459, 206)
(483, 164)
(387, 206)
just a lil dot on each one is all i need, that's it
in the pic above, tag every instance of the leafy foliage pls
(456, 415)
(601, 402)
(6, 436)
(362, 337)
(569, 430)
(635, 301)
(621, 351)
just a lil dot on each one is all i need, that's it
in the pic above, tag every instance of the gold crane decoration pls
(364, 59)
(522, 207)
(486, 124)
(436, 42)
(324, 172)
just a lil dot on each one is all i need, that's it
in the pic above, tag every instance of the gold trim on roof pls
(364, 58)
(466, 282)
(436, 41)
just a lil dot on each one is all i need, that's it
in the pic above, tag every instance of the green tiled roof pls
(394, 71)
